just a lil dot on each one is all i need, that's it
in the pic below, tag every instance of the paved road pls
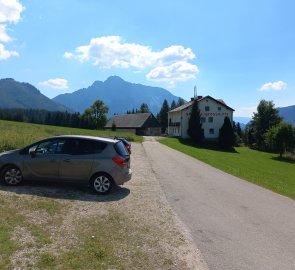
(235, 224)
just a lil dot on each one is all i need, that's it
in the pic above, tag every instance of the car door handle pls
(67, 160)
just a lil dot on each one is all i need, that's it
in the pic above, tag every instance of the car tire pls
(11, 176)
(102, 183)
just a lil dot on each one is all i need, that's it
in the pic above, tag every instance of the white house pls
(213, 111)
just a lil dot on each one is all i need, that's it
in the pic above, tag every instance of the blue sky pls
(239, 51)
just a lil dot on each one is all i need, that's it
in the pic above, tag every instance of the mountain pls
(242, 120)
(118, 95)
(288, 114)
(15, 94)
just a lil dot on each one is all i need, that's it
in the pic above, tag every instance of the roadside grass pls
(37, 232)
(111, 241)
(261, 168)
(18, 216)
(15, 135)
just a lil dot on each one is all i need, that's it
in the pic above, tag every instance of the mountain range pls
(120, 96)
(15, 94)
(288, 114)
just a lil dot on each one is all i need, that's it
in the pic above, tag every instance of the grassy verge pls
(263, 169)
(16, 134)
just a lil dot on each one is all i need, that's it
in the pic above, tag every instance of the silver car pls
(101, 162)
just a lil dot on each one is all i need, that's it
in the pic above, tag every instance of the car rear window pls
(120, 149)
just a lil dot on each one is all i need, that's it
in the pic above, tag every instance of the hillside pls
(118, 95)
(15, 94)
(288, 114)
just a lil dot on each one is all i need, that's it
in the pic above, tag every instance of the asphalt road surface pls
(235, 224)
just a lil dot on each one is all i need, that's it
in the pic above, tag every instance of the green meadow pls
(261, 168)
(15, 135)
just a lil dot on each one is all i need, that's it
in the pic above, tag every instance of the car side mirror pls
(32, 152)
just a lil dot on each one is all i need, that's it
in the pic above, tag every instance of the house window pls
(211, 131)
(219, 108)
(203, 119)
(207, 108)
(210, 119)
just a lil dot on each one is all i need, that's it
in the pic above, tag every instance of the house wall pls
(131, 130)
(216, 113)
(213, 119)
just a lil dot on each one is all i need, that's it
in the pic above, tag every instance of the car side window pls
(48, 147)
(83, 147)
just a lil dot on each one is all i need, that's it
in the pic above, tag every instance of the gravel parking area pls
(56, 219)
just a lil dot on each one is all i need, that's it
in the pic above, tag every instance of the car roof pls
(97, 138)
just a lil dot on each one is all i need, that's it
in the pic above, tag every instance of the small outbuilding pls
(145, 124)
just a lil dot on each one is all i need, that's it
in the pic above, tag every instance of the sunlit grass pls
(261, 168)
(15, 135)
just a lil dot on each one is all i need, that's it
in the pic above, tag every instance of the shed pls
(144, 124)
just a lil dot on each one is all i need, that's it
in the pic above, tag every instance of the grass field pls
(263, 169)
(16, 134)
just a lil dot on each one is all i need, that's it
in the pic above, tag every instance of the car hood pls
(8, 152)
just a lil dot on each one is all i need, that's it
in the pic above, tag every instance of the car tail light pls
(120, 162)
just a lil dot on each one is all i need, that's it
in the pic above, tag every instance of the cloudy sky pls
(239, 51)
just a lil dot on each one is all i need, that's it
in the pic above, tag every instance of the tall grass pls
(15, 135)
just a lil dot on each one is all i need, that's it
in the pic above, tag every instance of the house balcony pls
(175, 124)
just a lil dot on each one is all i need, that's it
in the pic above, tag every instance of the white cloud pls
(174, 73)
(279, 85)
(169, 65)
(3, 34)
(5, 54)
(55, 83)
(245, 111)
(10, 11)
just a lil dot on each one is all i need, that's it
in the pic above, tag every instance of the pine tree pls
(180, 102)
(173, 105)
(163, 115)
(195, 130)
(144, 108)
(226, 134)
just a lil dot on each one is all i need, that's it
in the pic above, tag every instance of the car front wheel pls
(11, 175)
(102, 183)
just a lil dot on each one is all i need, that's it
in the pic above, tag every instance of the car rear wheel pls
(102, 183)
(11, 175)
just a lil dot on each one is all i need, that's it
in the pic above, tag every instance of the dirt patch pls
(150, 236)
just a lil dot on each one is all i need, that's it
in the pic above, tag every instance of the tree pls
(195, 130)
(97, 114)
(266, 117)
(226, 134)
(239, 130)
(280, 138)
(163, 115)
(144, 108)
(180, 102)
(173, 105)
(114, 127)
